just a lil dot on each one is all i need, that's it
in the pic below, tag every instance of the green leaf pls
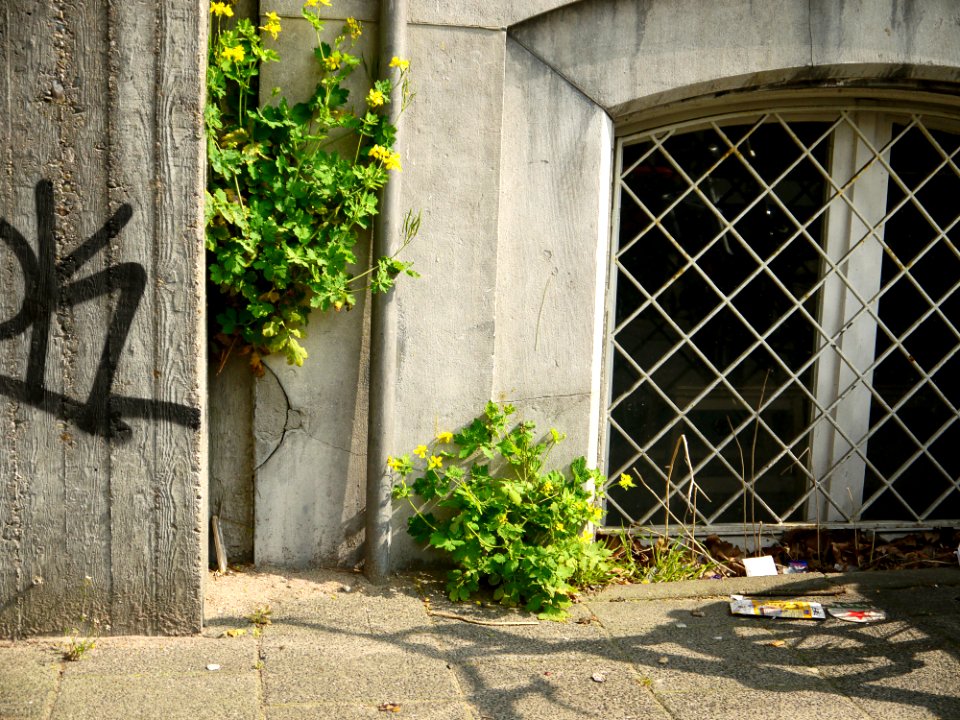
(283, 206)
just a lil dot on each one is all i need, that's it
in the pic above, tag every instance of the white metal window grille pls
(785, 296)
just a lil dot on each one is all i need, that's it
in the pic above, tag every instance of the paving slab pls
(208, 696)
(909, 680)
(28, 680)
(893, 636)
(945, 627)
(746, 704)
(368, 711)
(936, 599)
(164, 656)
(551, 686)
(463, 641)
(374, 678)
(339, 647)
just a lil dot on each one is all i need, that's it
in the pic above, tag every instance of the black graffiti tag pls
(47, 287)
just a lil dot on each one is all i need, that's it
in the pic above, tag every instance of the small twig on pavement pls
(476, 621)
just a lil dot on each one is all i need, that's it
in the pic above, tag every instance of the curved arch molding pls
(629, 56)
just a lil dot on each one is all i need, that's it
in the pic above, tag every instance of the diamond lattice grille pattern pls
(786, 297)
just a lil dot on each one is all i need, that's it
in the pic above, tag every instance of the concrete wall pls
(633, 56)
(508, 154)
(102, 481)
(552, 251)
(310, 423)
(232, 456)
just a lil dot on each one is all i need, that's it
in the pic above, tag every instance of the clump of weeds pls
(84, 635)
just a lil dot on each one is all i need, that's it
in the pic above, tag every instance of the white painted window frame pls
(853, 248)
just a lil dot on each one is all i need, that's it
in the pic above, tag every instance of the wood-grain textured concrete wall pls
(102, 473)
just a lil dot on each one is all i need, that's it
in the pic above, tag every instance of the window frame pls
(938, 112)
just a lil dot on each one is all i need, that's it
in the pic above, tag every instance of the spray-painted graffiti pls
(47, 288)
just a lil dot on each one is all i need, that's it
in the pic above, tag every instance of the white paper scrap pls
(760, 566)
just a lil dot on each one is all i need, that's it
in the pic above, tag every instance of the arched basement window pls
(786, 294)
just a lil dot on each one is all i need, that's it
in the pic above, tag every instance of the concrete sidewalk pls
(341, 648)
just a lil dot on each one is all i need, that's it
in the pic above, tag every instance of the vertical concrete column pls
(552, 251)
(310, 422)
(384, 325)
(102, 481)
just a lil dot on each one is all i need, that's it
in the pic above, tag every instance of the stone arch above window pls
(630, 56)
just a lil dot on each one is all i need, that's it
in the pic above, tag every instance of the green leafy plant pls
(503, 518)
(291, 186)
(260, 616)
(666, 556)
(82, 637)
(669, 559)
(77, 647)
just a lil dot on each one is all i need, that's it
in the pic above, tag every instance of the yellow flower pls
(558, 527)
(235, 53)
(435, 462)
(221, 9)
(354, 28)
(399, 63)
(332, 61)
(444, 437)
(595, 514)
(390, 160)
(420, 451)
(313, 3)
(547, 486)
(586, 536)
(625, 481)
(393, 463)
(375, 98)
(273, 24)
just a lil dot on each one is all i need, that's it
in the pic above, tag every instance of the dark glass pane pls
(714, 214)
(922, 458)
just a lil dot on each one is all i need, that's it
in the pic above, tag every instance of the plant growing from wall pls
(502, 517)
(291, 186)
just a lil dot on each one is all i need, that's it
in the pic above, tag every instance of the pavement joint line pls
(448, 662)
(54, 695)
(261, 688)
(638, 677)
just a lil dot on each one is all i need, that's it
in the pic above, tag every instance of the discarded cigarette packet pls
(761, 607)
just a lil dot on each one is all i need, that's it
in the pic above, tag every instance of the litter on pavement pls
(856, 612)
(761, 607)
(760, 566)
(797, 609)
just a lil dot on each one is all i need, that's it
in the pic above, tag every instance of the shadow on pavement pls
(626, 655)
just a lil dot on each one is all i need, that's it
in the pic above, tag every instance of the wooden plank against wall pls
(181, 548)
(36, 98)
(133, 143)
(102, 476)
(157, 151)
(11, 350)
(80, 196)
